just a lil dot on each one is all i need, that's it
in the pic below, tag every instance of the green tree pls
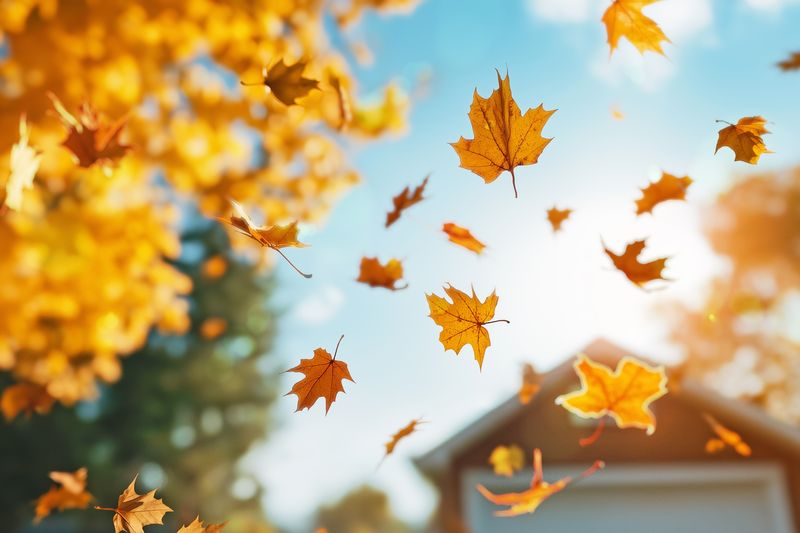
(186, 409)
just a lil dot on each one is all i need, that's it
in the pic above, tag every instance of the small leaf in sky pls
(531, 383)
(668, 187)
(624, 18)
(401, 434)
(374, 274)
(790, 63)
(404, 200)
(462, 237)
(556, 217)
(322, 378)
(637, 272)
(744, 138)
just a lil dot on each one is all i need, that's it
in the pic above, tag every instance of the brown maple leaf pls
(71, 494)
(197, 527)
(27, 398)
(668, 187)
(791, 63)
(90, 138)
(374, 274)
(531, 383)
(463, 320)
(322, 378)
(529, 500)
(134, 511)
(286, 82)
(462, 237)
(556, 217)
(624, 18)
(638, 273)
(744, 138)
(404, 200)
(400, 434)
(274, 237)
(504, 137)
(343, 103)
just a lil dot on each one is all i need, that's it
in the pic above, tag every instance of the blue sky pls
(559, 292)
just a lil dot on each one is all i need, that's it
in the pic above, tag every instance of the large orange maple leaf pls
(624, 18)
(134, 511)
(323, 376)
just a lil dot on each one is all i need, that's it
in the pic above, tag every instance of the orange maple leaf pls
(624, 18)
(463, 320)
(638, 273)
(530, 384)
(197, 527)
(25, 397)
(322, 378)
(668, 187)
(274, 237)
(727, 437)
(134, 511)
(791, 63)
(624, 394)
(286, 82)
(71, 494)
(400, 434)
(89, 138)
(506, 460)
(744, 138)
(556, 217)
(374, 274)
(462, 237)
(529, 500)
(504, 137)
(404, 200)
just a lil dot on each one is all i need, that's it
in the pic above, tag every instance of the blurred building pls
(662, 483)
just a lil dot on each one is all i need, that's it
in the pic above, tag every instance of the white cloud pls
(320, 307)
(560, 10)
(769, 5)
(682, 19)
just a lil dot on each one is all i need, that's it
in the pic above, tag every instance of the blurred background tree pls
(744, 341)
(362, 510)
(184, 411)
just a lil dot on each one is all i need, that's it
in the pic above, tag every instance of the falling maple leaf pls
(24, 163)
(25, 397)
(463, 320)
(404, 200)
(504, 138)
(624, 18)
(529, 500)
(530, 384)
(197, 527)
(624, 394)
(400, 434)
(134, 511)
(90, 139)
(322, 378)
(462, 237)
(744, 138)
(286, 82)
(274, 237)
(557, 216)
(343, 104)
(668, 187)
(638, 273)
(71, 494)
(506, 460)
(792, 63)
(727, 437)
(617, 114)
(374, 274)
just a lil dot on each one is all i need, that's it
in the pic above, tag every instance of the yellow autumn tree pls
(86, 258)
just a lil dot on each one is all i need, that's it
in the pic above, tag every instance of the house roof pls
(748, 418)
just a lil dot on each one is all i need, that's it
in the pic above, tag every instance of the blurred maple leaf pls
(530, 384)
(374, 274)
(504, 138)
(624, 394)
(744, 138)
(529, 500)
(668, 187)
(27, 397)
(791, 63)
(506, 460)
(624, 18)
(727, 437)
(404, 200)
(638, 273)
(463, 320)
(322, 378)
(400, 434)
(463, 237)
(134, 511)
(71, 494)
(197, 527)
(556, 217)
(286, 82)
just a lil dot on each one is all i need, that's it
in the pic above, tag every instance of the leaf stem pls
(591, 439)
(337, 346)
(514, 182)
(498, 320)
(307, 276)
(98, 508)
(250, 84)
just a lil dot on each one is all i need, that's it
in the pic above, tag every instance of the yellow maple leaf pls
(668, 187)
(506, 460)
(463, 237)
(624, 18)
(197, 527)
(463, 320)
(744, 138)
(71, 494)
(134, 511)
(24, 163)
(400, 434)
(504, 137)
(286, 82)
(374, 274)
(624, 394)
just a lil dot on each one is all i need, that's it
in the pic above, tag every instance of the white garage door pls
(685, 498)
